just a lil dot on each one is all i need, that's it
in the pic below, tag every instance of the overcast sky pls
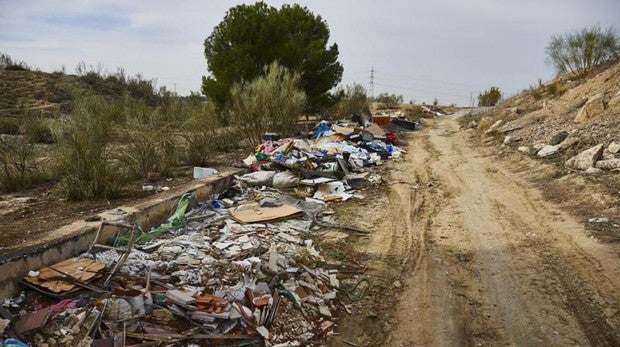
(421, 49)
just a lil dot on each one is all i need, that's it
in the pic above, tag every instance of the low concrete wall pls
(75, 238)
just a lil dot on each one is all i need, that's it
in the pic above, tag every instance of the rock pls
(614, 101)
(494, 127)
(568, 143)
(592, 108)
(593, 171)
(538, 146)
(547, 151)
(558, 138)
(472, 124)
(25, 200)
(524, 149)
(598, 220)
(585, 159)
(613, 148)
(324, 311)
(507, 140)
(608, 164)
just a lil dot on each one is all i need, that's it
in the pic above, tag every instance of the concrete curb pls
(75, 238)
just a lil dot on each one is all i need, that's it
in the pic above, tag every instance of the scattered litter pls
(241, 268)
(201, 172)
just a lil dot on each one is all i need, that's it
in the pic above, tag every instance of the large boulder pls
(608, 164)
(592, 108)
(585, 159)
(547, 151)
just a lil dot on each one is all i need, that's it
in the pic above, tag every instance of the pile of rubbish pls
(242, 268)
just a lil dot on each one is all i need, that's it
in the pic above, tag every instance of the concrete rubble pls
(244, 268)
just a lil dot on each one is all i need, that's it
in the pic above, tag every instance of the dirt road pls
(483, 259)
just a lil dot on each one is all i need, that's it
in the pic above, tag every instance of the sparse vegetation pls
(581, 50)
(7, 63)
(387, 100)
(351, 99)
(272, 102)
(489, 97)
(9, 126)
(18, 169)
(416, 112)
(84, 164)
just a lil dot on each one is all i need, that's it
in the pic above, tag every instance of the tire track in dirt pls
(479, 278)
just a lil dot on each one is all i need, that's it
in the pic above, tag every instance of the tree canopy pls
(252, 36)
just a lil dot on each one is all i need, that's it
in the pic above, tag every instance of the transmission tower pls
(371, 88)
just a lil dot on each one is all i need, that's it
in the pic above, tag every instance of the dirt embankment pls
(465, 251)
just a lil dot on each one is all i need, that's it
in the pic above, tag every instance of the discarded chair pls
(125, 250)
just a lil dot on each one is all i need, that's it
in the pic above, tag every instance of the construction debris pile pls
(242, 268)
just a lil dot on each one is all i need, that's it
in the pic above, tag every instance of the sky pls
(444, 49)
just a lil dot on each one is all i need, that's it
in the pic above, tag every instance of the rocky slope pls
(563, 118)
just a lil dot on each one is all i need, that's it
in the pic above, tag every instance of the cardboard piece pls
(82, 269)
(375, 130)
(255, 213)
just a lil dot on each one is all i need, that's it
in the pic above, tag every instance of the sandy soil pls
(466, 252)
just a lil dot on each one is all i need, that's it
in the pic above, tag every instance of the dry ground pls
(466, 251)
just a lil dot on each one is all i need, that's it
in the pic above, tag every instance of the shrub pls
(579, 51)
(84, 165)
(557, 88)
(489, 97)
(18, 169)
(272, 102)
(351, 99)
(9, 126)
(7, 63)
(201, 135)
(389, 100)
(417, 112)
(149, 148)
(33, 126)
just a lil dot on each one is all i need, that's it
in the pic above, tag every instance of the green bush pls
(9, 126)
(581, 50)
(386, 100)
(489, 97)
(149, 148)
(351, 99)
(272, 102)
(205, 135)
(18, 169)
(84, 164)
